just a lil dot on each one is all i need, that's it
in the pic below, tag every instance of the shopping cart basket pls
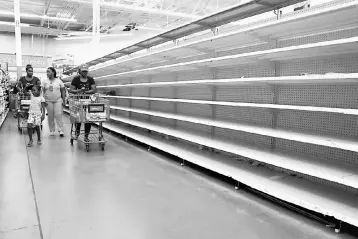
(88, 109)
(22, 103)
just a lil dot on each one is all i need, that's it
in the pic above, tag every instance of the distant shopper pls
(25, 82)
(36, 114)
(83, 84)
(54, 93)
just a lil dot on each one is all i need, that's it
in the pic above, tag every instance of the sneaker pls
(52, 133)
(39, 142)
(30, 144)
(61, 133)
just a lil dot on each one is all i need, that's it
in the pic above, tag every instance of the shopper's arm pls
(63, 95)
(43, 105)
(73, 90)
(92, 90)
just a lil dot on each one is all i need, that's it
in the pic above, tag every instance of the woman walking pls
(26, 82)
(54, 94)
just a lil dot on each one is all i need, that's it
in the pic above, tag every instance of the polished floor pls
(56, 191)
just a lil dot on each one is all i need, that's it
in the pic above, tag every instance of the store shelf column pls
(18, 38)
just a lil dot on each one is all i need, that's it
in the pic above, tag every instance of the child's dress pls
(35, 112)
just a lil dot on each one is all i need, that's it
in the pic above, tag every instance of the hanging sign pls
(35, 61)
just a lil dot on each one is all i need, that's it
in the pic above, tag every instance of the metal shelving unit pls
(239, 11)
(3, 104)
(285, 105)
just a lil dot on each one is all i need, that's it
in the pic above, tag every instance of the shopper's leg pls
(87, 129)
(78, 129)
(29, 129)
(58, 115)
(51, 116)
(38, 130)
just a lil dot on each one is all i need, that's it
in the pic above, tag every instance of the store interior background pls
(40, 51)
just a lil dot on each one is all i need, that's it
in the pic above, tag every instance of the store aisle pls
(17, 205)
(126, 192)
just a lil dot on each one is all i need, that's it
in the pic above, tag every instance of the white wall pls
(31, 46)
(84, 51)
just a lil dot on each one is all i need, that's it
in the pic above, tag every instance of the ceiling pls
(116, 16)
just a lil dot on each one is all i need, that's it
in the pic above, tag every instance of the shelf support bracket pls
(175, 96)
(215, 31)
(213, 98)
(150, 95)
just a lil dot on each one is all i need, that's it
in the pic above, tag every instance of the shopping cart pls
(22, 103)
(88, 109)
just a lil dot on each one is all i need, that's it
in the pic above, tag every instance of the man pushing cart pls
(87, 107)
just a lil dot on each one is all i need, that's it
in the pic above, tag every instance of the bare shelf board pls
(241, 104)
(288, 134)
(345, 174)
(314, 196)
(339, 78)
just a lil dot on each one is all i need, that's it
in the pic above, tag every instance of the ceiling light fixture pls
(120, 6)
(91, 37)
(44, 17)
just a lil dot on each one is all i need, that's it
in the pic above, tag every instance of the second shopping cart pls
(92, 109)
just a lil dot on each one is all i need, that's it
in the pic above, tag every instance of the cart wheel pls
(71, 141)
(102, 147)
(87, 147)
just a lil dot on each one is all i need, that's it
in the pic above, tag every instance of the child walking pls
(36, 114)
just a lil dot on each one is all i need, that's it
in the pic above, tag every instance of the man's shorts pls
(34, 119)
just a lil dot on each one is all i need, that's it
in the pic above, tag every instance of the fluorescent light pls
(120, 6)
(147, 10)
(91, 37)
(44, 17)
(13, 24)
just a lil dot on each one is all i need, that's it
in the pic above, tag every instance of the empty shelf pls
(320, 49)
(320, 198)
(328, 141)
(240, 104)
(315, 19)
(331, 171)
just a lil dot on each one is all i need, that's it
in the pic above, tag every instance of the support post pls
(18, 38)
(96, 26)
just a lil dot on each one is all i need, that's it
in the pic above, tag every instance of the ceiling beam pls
(47, 6)
(34, 16)
(78, 10)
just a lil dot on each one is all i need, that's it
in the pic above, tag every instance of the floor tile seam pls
(33, 191)
(17, 229)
